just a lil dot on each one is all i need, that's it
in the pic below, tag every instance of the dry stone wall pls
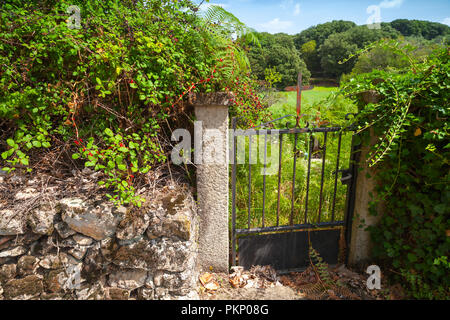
(80, 248)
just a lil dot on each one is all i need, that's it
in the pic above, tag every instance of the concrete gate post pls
(360, 243)
(211, 155)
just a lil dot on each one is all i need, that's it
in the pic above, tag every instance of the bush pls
(384, 58)
(98, 95)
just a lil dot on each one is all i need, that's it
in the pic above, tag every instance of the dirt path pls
(259, 289)
(262, 283)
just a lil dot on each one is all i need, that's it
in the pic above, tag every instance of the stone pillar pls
(211, 157)
(360, 244)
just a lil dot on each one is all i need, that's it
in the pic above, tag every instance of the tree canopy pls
(278, 51)
(426, 29)
(322, 46)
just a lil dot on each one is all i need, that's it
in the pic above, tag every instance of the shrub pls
(98, 95)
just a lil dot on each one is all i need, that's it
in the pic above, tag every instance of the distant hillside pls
(321, 47)
(319, 33)
(426, 29)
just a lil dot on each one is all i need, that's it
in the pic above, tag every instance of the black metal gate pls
(274, 222)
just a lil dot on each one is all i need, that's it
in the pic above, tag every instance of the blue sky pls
(293, 16)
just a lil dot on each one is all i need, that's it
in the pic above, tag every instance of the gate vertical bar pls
(264, 181)
(308, 178)
(336, 176)
(351, 192)
(233, 182)
(323, 174)
(249, 180)
(291, 219)
(280, 156)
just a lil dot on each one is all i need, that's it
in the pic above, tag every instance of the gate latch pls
(346, 176)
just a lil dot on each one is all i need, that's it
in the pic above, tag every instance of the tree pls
(426, 29)
(386, 58)
(309, 54)
(321, 32)
(288, 63)
(340, 45)
(336, 48)
(278, 51)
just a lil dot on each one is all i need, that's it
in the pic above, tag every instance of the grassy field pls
(310, 98)
(287, 105)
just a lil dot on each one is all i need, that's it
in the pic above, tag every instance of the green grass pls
(288, 101)
(287, 105)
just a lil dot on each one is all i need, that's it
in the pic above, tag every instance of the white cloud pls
(286, 4)
(391, 4)
(276, 25)
(446, 21)
(297, 9)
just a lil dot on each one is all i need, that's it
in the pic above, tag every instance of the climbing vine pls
(408, 110)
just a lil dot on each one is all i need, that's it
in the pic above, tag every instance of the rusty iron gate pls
(280, 237)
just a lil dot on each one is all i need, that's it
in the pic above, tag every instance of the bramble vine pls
(99, 96)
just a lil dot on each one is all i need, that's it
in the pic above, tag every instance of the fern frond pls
(218, 16)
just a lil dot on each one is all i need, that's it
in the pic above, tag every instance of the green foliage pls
(335, 48)
(278, 51)
(386, 58)
(426, 29)
(101, 93)
(335, 39)
(321, 32)
(321, 267)
(316, 36)
(272, 76)
(411, 118)
(309, 54)
(340, 45)
(230, 25)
